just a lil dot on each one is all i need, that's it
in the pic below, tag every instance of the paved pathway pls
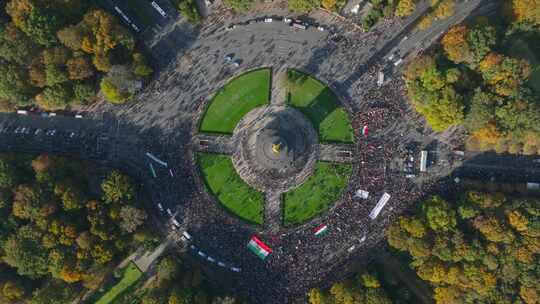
(211, 143)
(272, 212)
(278, 91)
(146, 260)
(339, 153)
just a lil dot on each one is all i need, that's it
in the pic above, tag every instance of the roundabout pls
(221, 209)
(275, 150)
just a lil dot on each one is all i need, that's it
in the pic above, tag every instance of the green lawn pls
(230, 190)
(316, 194)
(321, 106)
(132, 274)
(235, 99)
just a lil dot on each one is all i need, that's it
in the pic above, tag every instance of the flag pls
(259, 248)
(321, 230)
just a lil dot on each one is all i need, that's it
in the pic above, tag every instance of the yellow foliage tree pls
(455, 44)
(405, 8)
(527, 10)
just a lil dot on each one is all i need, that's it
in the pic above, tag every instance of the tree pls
(167, 269)
(8, 175)
(239, 5)
(13, 291)
(405, 7)
(303, 6)
(117, 188)
(14, 84)
(26, 256)
(119, 85)
(15, 46)
(439, 215)
(315, 296)
(526, 10)
(481, 39)
(131, 218)
(443, 8)
(102, 33)
(456, 46)
(71, 37)
(33, 18)
(56, 97)
(140, 67)
(79, 68)
(329, 4)
(84, 92)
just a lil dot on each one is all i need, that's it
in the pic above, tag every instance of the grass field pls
(231, 191)
(321, 106)
(235, 99)
(316, 194)
(131, 275)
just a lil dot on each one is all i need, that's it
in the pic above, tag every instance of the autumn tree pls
(456, 46)
(131, 218)
(405, 8)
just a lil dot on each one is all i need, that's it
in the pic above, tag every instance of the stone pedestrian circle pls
(274, 149)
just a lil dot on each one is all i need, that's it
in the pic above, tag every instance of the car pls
(398, 62)
(321, 28)
(236, 64)
(230, 27)
(160, 207)
(235, 269)
(221, 264)
(44, 114)
(72, 134)
(193, 247)
(268, 20)
(228, 58)
(202, 254)
(78, 116)
(17, 130)
(175, 222)
(211, 259)
(52, 114)
(38, 131)
(287, 20)
(169, 212)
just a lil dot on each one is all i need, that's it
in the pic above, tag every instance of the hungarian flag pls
(321, 230)
(365, 131)
(259, 248)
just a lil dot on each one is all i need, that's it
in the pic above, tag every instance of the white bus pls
(380, 205)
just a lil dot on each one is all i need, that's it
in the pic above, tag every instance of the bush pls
(84, 92)
(304, 6)
(112, 92)
(239, 5)
(188, 9)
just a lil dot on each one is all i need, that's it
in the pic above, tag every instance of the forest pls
(64, 224)
(475, 248)
(484, 77)
(57, 54)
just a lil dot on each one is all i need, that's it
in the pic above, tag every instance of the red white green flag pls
(259, 248)
(321, 230)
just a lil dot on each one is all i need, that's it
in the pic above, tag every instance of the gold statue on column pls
(276, 148)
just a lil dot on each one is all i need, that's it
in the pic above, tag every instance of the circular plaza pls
(268, 147)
